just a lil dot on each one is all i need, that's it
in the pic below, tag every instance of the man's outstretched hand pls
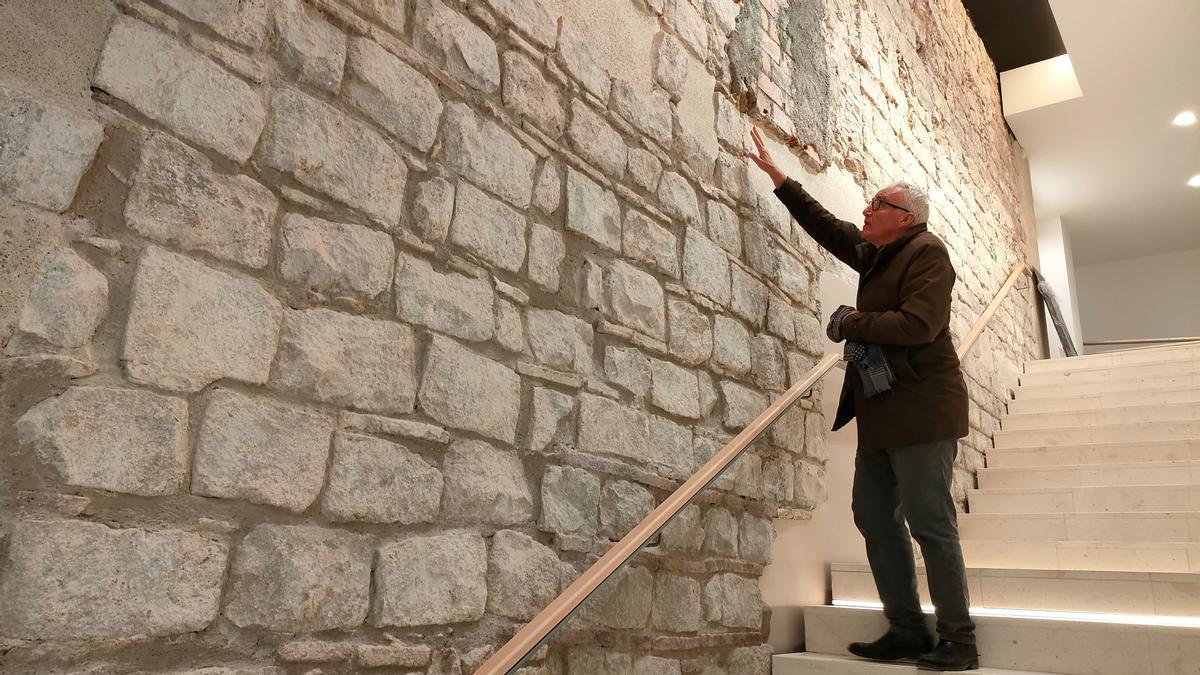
(764, 160)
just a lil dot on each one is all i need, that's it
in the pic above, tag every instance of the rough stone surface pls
(674, 389)
(607, 427)
(241, 21)
(670, 64)
(546, 253)
(781, 318)
(647, 241)
(731, 346)
(595, 139)
(705, 267)
(395, 654)
(623, 505)
(742, 404)
(547, 194)
(182, 90)
(648, 111)
(720, 533)
(424, 581)
(644, 168)
(793, 277)
(335, 155)
(488, 155)
(635, 299)
(656, 665)
(731, 126)
(628, 369)
(705, 446)
(624, 601)
(44, 150)
(768, 364)
(190, 325)
(459, 46)
(527, 91)
(309, 46)
(450, 303)
(376, 424)
(580, 62)
(347, 361)
(690, 332)
(464, 390)
(334, 259)
(733, 601)
(393, 93)
(380, 482)
(260, 450)
(678, 199)
(58, 581)
(751, 660)
(570, 501)
(551, 418)
(485, 484)
(432, 209)
(510, 327)
(748, 299)
(393, 14)
(724, 228)
(124, 440)
(670, 450)
(685, 532)
(755, 537)
(686, 22)
(179, 199)
(67, 302)
(696, 154)
(677, 604)
(488, 229)
(522, 576)
(559, 340)
(592, 211)
(298, 578)
(530, 17)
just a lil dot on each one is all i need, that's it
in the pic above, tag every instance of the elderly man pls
(908, 394)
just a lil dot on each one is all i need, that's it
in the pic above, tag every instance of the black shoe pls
(950, 656)
(893, 646)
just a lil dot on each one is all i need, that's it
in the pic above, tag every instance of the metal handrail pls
(534, 634)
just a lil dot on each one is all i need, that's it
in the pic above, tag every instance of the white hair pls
(915, 201)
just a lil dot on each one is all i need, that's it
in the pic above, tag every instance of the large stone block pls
(570, 501)
(656, 665)
(392, 14)
(731, 346)
(546, 252)
(334, 259)
(684, 19)
(70, 580)
(705, 267)
(488, 228)
(690, 335)
(260, 450)
(333, 154)
(768, 364)
(685, 532)
(580, 62)
(748, 297)
(724, 228)
(373, 480)
(394, 94)
(624, 601)
(674, 389)
(742, 404)
(670, 64)
(670, 451)
(190, 325)
(644, 169)
(484, 484)
(648, 111)
(67, 302)
(677, 603)
(309, 46)
(559, 340)
(180, 200)
(733, 601)
(44, 150)
(678, 199)
(552, 419)
(292, 578)
(592, 211)
(423, 581)
(720, 533)
(527, 91)
(697, 154)
(241, 21)
(623, 505)
(647, 241)
(607, 427)
(530, 17)
(448, 302)
(459, 46)
(547, 194)
(635, 299)
(627, 368)
(124, 440)
(347, 361)
(522, 577)
(467, 391)
(488, 155)
(755, 537)
(432, 209)
(596, 140)
(179, 88)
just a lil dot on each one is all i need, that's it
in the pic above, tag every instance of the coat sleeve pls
(924, 311)
(836, 236)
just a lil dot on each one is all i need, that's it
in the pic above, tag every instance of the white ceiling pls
(1110, 163)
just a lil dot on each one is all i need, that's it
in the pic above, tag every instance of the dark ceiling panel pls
(1016, 32)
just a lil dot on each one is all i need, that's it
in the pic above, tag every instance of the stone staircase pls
(1083, 539)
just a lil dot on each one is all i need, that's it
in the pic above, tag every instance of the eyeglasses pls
(877, 202)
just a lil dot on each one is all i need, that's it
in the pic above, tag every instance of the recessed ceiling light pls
(1194, 181)
(1185, 119)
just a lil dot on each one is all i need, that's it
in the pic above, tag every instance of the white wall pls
(1153, 296)
(1058, 267)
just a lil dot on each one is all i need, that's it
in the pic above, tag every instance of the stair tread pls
(1174, 577)
(1112, 410)
(1153, 464)
(1078, 622)
(850, 665)
(1097, 488)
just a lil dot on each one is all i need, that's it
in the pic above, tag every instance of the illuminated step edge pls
(1084, 617)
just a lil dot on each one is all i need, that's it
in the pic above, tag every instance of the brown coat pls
(904, 306)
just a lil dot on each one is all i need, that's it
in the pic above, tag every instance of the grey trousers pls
(913, 483)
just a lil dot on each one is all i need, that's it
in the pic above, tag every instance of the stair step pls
(1189, 366)
(1092, 475)
(1108, 433)
(1102, 453)
(1029, 644)
(1106, 499)
(1083, 555)
(1104, 401)
(1172, 352)
(1173, 526)
(806, 663)
(1129, 593)
(1141, 414)
(1116, 385)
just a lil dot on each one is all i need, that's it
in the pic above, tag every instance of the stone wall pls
(364, 326)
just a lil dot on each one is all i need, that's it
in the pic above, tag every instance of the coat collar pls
(872, 255)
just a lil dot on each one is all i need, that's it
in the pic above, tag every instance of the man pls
(907, 432)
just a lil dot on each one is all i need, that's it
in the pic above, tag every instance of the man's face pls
(885, 223)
